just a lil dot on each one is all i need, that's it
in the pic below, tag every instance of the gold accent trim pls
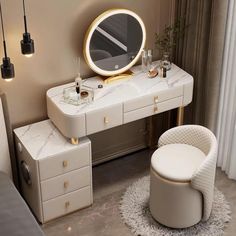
(168, 180)
(67, 204)
(180, 116)
(106, 120)
(156, 99)
(66, 184)
(74, 141)
(105, 15)
(65, 163)
(155, 109)
(126, 76)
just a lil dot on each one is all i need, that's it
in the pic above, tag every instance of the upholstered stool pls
(182, 176)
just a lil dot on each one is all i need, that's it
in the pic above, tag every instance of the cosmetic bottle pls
(149, 59)
(78, 81)
(144, 61)
(164, 70)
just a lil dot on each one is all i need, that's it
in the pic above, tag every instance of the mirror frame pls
(90, 31)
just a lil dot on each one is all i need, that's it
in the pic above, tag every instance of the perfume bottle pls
(144, 61)
(149, 59)
(78, 79)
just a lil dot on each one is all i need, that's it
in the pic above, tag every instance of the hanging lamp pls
(7, 68)
(27, 44)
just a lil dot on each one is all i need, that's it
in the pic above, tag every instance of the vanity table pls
(120, 102)
(54, 156)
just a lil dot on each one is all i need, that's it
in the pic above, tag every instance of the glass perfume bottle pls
(144, 61)
(149, 59)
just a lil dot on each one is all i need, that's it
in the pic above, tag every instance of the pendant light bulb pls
(8, 80)
(27, 44)
(28, 55)
(7, 68)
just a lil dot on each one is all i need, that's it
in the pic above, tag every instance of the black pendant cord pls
(25, 21)
(3, 33)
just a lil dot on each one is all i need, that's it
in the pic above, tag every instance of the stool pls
(182, 176)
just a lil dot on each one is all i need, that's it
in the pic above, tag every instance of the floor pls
(110, 181)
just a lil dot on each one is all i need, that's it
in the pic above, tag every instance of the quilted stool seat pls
(182, 176)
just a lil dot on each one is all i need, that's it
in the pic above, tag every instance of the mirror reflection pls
(115, 42)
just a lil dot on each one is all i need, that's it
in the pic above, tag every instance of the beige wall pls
(58, 28)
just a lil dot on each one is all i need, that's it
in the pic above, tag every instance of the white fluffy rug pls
(135, 213)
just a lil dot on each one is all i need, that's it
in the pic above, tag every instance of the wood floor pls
(110, 181)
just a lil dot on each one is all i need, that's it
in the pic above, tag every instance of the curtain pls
(226, 124)
(200, 53)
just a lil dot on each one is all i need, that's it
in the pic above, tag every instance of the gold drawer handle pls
(155, 109)
(106, 120)
(67, 204)
(156, 99)
(65, 163)
(66, 184)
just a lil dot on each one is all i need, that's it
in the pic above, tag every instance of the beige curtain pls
(200, 53)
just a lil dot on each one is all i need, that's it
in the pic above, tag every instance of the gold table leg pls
(74, 141)
(180, 116)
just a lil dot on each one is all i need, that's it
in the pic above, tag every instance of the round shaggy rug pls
(135, 213)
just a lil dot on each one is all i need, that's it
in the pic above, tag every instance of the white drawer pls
(65, 161)
(153, 109)
(152, 98)
(67, 203)
(103, 119)
(66, 183)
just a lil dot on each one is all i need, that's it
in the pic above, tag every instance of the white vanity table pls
(56, 176)
(120, 102)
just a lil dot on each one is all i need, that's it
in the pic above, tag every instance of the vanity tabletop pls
(120, 91)
(43, 140)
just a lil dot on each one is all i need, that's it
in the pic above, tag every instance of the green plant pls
(167, 40)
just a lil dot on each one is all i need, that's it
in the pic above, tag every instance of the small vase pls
(165, 61)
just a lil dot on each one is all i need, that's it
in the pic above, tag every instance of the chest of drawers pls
(56, 176)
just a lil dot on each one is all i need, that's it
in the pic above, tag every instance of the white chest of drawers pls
(56, 176)
(120, 102)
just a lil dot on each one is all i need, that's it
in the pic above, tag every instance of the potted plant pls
(167, 40)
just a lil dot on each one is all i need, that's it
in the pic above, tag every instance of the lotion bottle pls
(149, 59)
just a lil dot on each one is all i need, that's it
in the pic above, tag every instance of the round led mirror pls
(114, 42)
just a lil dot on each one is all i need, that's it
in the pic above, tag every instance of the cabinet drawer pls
(67, 203)
(66, 183)
(153, 98)
(152, 110)
(65, 161)
(104, 119)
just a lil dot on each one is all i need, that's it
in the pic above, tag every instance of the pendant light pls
(27, 44)
(7, 68)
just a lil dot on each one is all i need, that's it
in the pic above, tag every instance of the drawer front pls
(153, 98)
(66, 183)
(104, 119)
(67, 203)
(153, 109)
(65, 162)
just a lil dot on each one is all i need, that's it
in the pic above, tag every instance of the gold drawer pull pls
(156, 99)
(67, 204)
(66, 184)
(65, 163)
(155, 109)
(106, 120)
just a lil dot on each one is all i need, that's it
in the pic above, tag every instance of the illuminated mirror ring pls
(114, 42)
